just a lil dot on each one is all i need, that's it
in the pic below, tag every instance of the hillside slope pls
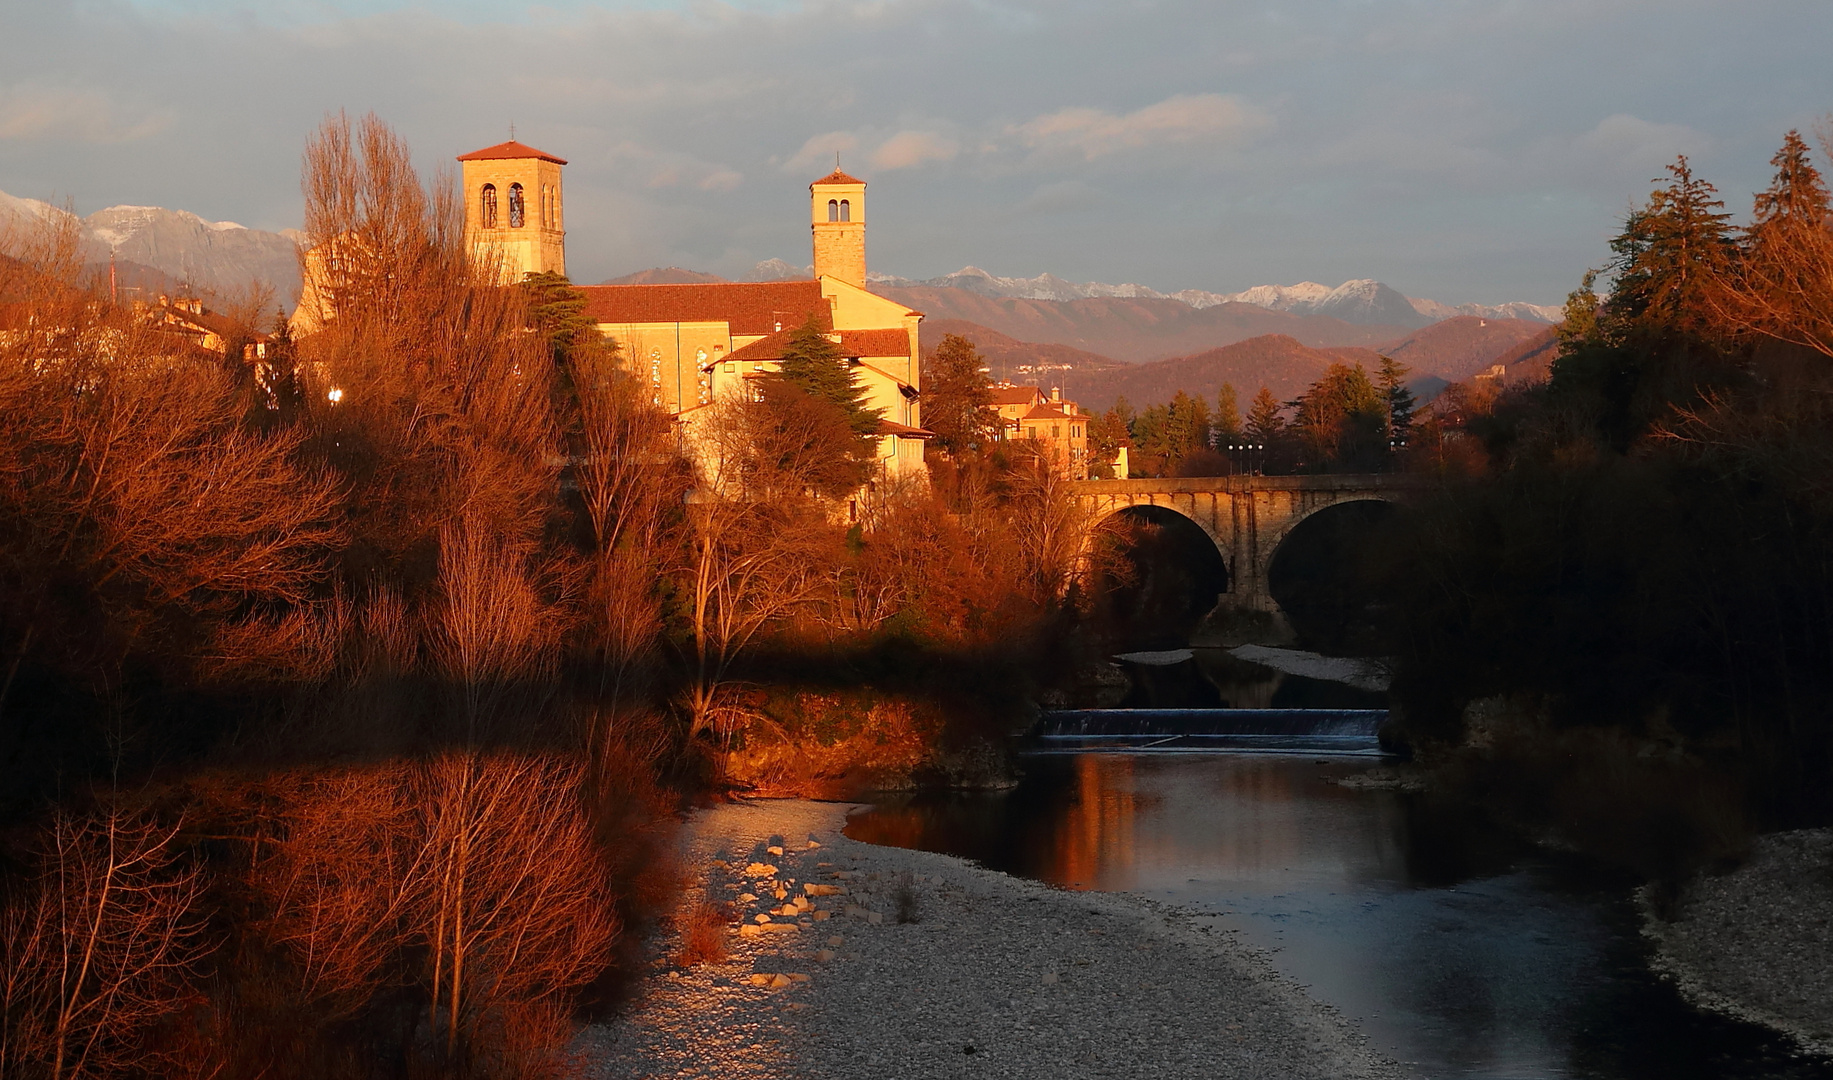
(1282, 364)
(1135, 330)
(1009, 359)
(1458, 348)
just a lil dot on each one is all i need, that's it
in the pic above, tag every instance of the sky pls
(1463, 150)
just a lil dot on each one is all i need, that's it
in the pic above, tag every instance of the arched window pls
(488, 202)
(846, 210)
(833, 210)
(517, 212)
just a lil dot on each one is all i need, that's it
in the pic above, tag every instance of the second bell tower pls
(837, 204)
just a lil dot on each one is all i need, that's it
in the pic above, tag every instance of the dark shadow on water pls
(1456, 947)
(1213, 679)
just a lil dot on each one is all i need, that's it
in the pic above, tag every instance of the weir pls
(1352, 732)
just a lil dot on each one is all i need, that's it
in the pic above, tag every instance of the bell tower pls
(513, 209)
(837, 205)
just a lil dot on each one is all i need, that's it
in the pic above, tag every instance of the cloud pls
(1182, 120)
(1622, 143)
(819, 150)
(30, 112)
(911, 148)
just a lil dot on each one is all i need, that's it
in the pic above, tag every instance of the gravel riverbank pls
(1758, 943)
(996, 976)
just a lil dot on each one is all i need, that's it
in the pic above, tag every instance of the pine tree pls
(1670, 254)
(958, 398)
(813, 364)
(1779, 285)
(1797, 195)
(1227, 424)
(557, 311)
(1265, 424)
(1399, 401)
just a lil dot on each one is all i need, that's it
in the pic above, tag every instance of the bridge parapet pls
(1246, 516)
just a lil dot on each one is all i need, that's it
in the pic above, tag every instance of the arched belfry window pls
(487, 203)
(846, 210)
(833, 209)
(517, 212)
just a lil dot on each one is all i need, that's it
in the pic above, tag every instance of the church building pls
(695, 344)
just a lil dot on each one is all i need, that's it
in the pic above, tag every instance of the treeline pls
(1644, 544)
(347, 695)
(1346, 421)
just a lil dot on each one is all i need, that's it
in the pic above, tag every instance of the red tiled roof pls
(887, 342)
(1015, 395)
(1054, 411)
(838, 177)
(747, 308)
(853, 343)
(892, 427)
(510, 149)
(766, 348)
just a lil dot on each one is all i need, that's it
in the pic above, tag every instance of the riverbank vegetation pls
(1631, 564)
(348, 689)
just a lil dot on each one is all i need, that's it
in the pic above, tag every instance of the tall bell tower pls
(513, 209)
(838, 210)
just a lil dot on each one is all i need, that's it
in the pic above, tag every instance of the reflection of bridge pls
(1246, 516)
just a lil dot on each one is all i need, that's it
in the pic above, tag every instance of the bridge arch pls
(1317, 574)
(1155, 575)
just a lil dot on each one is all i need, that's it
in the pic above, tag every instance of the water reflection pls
(1458, 949)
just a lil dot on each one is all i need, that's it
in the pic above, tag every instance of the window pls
(488, 204)
(1056, 431)
(833, 210)
(846, 210)
(517, 212)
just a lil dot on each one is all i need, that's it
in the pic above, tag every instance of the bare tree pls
(512, 907)
(100, 949)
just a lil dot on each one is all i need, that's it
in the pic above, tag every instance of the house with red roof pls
(1058, 427)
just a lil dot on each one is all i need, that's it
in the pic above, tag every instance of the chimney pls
(1056, 393)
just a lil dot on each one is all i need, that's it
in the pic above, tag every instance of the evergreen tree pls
(1265, 423)
(1796, 195)
(1669, 255)
(813, 364)
(557, 311)
(1226, 427)
(1778, 287)
(958, 398)
(1399, 400)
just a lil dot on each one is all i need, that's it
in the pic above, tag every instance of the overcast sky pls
(1463, 150)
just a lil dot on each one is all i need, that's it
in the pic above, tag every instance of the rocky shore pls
(858, 962)
(1757, 943)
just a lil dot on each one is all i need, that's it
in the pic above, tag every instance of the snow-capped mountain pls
(218, 256)
(1363, 301)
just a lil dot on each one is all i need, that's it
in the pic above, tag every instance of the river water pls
(1459, 950)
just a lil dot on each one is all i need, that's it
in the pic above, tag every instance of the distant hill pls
(1443, 353)
(1133, 330)
(1460, 347)
(1282, 364)
(668, 275)
(1532, 360)
(1024, 362)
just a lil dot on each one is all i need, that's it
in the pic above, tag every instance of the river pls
(1460, 950)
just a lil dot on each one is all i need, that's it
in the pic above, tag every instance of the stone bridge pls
(1246, 516)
